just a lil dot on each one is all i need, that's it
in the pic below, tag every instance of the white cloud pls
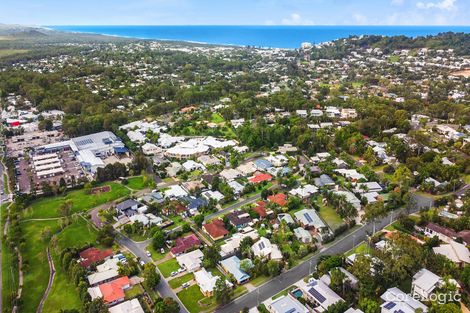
(296, 19)
(360, 19)
(443, 5)
(397, 2)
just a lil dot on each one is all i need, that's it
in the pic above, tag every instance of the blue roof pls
(263, 164)
(120, 149)
(196, 203)
(232, 265)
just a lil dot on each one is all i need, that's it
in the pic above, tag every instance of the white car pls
(148, 253)
(185, 285)
(174, 273)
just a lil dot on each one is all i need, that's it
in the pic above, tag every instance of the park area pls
(81, 199)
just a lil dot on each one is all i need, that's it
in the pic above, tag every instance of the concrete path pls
(49, 284)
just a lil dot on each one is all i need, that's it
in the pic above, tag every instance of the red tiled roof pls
(114, 290)
(93, 255)
(279, 199)
(216, 228)
(260, 178)
(261, 209)
(184, 244)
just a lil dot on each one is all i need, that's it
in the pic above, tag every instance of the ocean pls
(259, 36)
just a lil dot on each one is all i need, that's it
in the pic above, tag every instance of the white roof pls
(403, 300)
(175, 191)
(309, 217)
(230, 174)
(109, 264)
(98, 277)
(454, 251)
(205, 280)
(286, 304)
(130, 306)
(233, 243)
(322, 293)
(426, 280)
(190, 261)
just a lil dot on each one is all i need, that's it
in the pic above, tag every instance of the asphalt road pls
(138, 249)
(289, 278)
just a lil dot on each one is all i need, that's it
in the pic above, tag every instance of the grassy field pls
(467, 179)
(168, 266)
(36, 268)
(330, 216)
(8, 52)
(63, 293)
(137, 183)
(9, 278)
(394, 58)
(177, 282)
(217, 118)
(81, 201)
(5, 185)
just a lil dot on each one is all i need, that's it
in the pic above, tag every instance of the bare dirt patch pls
(465, 73)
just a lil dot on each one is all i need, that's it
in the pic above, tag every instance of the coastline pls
(261, 37)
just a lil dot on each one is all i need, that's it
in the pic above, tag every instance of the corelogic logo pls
(439, 298)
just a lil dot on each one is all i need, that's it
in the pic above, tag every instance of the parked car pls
(148, 253)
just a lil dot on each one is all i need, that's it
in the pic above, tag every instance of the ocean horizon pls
(288, 37)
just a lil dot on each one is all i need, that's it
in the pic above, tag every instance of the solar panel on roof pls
(399, 311)
(261, 245)
(85, 142)
(308, 218)
(291, 310)
(320, 298)
(389, 305)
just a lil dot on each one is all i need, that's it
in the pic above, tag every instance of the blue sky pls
(235, 12)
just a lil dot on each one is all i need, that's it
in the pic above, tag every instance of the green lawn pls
(217, 118)
(330, 216)
(36, 268)
(168, 266)
(362, 248)
(135, 291)
(156, 255)
(178, 281)
(394, 58)
(63, 294)
(137, 183)
(467, 179)
(258, 281)
(284, 292)
(5, 185)
(81, 201)
(191, 297)
(77, 234)
(9, 277)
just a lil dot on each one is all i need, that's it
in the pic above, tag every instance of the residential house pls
(286, 304)
(93, 255)
(304, 192)
(191, 261)
(215, 229)
(216, 195)
(232, 244)
(324, 181)
(130, 207)
(320, 295)
(112, 292)
(184, 244)
(309, 218)
(130, 306)
(454, 251)
(206, 281)
(303, 235)
(175, 192)
(396, 301)
(237, 188)
(230, 174)
(263, 248)
(425, 283)
(232, 266)
(262, 177)
(280, 199)
(262, 164)
(239, 219)
(286, 217)
(173, 169)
